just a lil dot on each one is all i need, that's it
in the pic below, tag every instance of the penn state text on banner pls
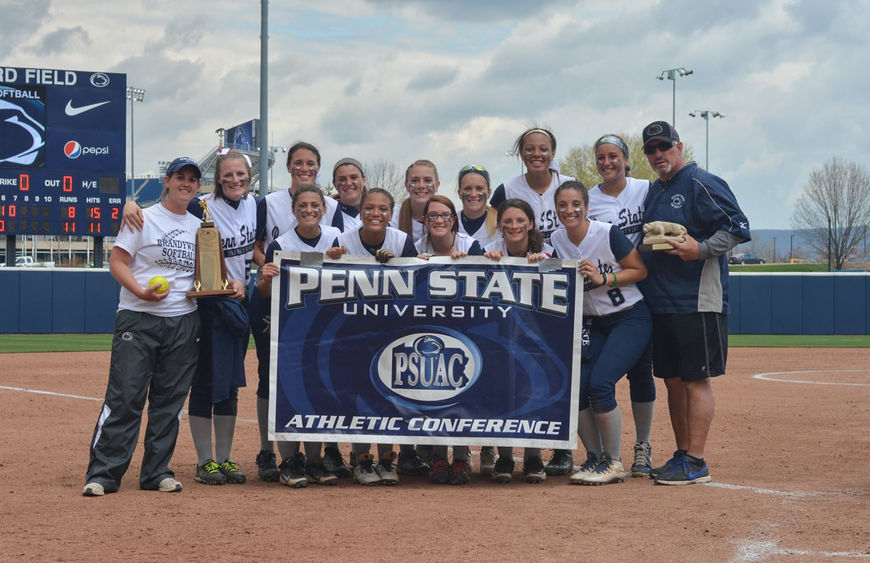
(427, 352)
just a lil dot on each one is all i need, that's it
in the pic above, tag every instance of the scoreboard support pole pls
(98, 252)
(10, 251)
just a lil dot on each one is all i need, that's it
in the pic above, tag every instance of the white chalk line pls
(761, 550)
(80, 397)
(769, 377)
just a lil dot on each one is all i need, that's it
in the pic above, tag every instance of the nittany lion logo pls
(427, 366)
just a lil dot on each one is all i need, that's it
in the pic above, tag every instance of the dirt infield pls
(789, 455)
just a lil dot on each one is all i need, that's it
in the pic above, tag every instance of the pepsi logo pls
(427, 367)
(72, 149)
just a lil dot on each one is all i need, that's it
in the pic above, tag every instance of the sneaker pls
(169, 485)
(316, 472)
(440, 472)
(231, 471)
(459, 472)
(607, 471)
(587, 468)
(209, 473)
(503, 470)
(561, 463)
(364, 473)
(533, 469)
(487, 460)
(686, 471)
(93, 489)
(334, 463)
(642, 465)
(267, 468)
(386, 471)
(410, 464)
(291, 472)
(678, 455)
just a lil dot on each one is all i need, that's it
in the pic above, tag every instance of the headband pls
(224, 151)
(613, 140)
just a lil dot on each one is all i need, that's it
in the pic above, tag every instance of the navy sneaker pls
(267, 467)
(410, 464)
(678, 455)
(561, 463)
(533, 469)
(686, 471)
(503, 469)
(335, 463)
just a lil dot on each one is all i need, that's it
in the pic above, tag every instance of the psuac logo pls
(427, 366)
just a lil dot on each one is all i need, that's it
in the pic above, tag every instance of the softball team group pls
(163, 349)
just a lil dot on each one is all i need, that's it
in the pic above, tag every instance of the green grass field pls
(10, 343)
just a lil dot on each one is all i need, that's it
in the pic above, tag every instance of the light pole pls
(774, 250)
(672, 74)
(790, 247)
(134, 95)
(706, 114)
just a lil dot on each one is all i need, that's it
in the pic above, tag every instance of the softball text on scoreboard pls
(427, 352)
(62, 151)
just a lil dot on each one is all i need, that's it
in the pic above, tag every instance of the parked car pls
(23, 261)
(746, 258)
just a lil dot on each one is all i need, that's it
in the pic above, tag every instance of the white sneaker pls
(607, 471)
(169, 485)
(364, 473)
(586, 469)
(387, 471)
(93, 489)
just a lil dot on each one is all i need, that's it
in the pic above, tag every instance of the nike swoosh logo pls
(73, 111)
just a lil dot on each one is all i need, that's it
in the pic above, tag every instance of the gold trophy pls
(657, 233)
(210, 275)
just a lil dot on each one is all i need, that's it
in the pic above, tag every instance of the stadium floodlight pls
(672, 74)
(706, 114)
(134, 95)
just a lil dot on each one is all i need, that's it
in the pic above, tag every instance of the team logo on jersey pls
(427, 366)
(99, 79)
(677, 201)
(72, 149)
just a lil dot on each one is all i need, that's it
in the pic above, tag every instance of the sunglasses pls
(662, 146)
(472, 168)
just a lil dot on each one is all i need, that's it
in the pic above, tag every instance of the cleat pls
(687, 471)
(410, 464)
(561, 463)
(678, 455)
(459, 473)
(209, 473)
(386, 471)
(503, 469)
(267, 468)
(533, 469)
(440, 472)
(586, 469)
(93, 489)
(334, 463)
(292, 471)
(642, 465)
(231, 471)
(364, 473)
(487, 460)
(607, 471)
(169, 485)
(316, 473)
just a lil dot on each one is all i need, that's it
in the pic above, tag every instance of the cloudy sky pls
(456, 81)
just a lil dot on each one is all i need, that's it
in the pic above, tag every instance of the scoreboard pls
(62, 152)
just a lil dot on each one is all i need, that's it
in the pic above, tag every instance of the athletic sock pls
(506, 452)
(440, 452)
(312, 450)
(643, 418)
(287, 449)
(460, 453)
(200, 431)
(263, 423)
(587, 428)
(224, 429)
(385, 449)
(610, 425)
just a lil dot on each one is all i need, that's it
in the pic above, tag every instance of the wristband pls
(615, 280)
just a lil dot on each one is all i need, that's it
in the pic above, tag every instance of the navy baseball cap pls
(180, 163)
(660, 131)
